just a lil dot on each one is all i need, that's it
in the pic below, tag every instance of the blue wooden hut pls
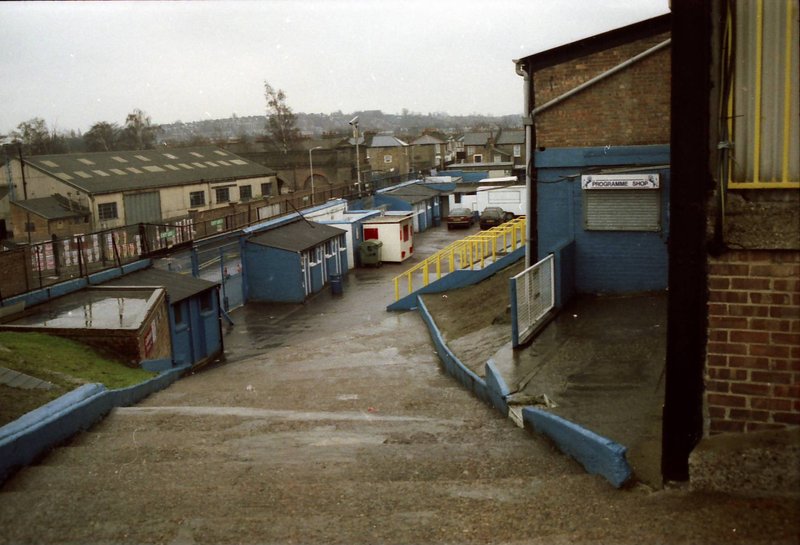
(288, 263)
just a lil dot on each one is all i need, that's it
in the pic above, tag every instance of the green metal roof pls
(114, 171)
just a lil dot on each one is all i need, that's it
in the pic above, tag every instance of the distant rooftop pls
(113, 171)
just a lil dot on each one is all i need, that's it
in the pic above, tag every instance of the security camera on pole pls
(354, 123)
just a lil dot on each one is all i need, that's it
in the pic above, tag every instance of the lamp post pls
(311, 168)
(354, 124)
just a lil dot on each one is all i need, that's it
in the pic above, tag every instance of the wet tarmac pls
(332, 422)
(601, 363)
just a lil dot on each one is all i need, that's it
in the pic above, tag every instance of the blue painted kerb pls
(598, 455)
(25, 439)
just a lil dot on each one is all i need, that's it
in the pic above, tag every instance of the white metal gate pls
(532, 297)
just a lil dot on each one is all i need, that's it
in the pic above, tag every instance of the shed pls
(128, 322)
(424, 202)
(194, 313)
(290, 262)
(396, 231)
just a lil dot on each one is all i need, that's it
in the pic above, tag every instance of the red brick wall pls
(631, 107)
(753, 356)
(14, 267)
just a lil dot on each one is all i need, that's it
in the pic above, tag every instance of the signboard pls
(620, 181)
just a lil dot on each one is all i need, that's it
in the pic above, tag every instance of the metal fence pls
(38, 265)
(532, 297)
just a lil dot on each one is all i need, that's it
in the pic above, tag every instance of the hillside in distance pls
(317, 124)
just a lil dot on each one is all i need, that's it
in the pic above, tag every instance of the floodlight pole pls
(311, 168)
(358, 158)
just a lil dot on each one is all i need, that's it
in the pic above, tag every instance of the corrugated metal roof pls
(178, 286)
(53, 208)
(298, 236)
(113, 171)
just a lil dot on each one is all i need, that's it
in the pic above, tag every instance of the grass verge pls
(65, 363)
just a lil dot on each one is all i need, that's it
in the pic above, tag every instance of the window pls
(107, 211)
(477, 158)
(387, 159)
(470, 150)
(370, 233)
(222, 194)
(205, 301)
(266, 189)
(197, 198)
(763, 98)
(177, 310)
(245, 192)
(406, 233)
(517, 150)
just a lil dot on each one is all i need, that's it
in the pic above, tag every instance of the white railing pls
(532, 297)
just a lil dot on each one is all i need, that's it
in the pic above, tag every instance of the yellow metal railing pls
(472, 252)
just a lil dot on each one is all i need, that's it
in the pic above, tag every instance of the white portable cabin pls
(396, 232)
(511, 198)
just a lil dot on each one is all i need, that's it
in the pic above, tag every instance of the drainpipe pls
(530, 164)
(530, 130)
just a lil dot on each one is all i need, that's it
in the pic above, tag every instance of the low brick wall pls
(753, 357)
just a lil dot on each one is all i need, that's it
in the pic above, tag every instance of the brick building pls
(574, 94)
(733, 363)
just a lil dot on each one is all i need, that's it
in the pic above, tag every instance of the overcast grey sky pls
(76, 63)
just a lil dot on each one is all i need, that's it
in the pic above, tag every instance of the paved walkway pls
(15, 379)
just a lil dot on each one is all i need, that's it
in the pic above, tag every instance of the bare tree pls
(34, 136)
(102, 136)
(139, 133)
(281, 127)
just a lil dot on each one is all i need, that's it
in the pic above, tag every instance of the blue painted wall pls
(181, 334)
(605, 261)
(276, 275)
(198, 335)
(273, 275)
(392, 203)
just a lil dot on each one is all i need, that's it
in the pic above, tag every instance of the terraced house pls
(88, 192)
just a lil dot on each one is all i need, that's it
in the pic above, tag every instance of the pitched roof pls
(476, 138)
(54, 207)
(427, 139)
(599, 42)
(113, 171)
(178, 286)
(296, 236)
(511, 136)
(386, 141)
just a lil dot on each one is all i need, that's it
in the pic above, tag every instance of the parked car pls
(492, 216)
(460, 217)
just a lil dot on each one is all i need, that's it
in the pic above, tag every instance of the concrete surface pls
(601, 362)
(332, 422)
